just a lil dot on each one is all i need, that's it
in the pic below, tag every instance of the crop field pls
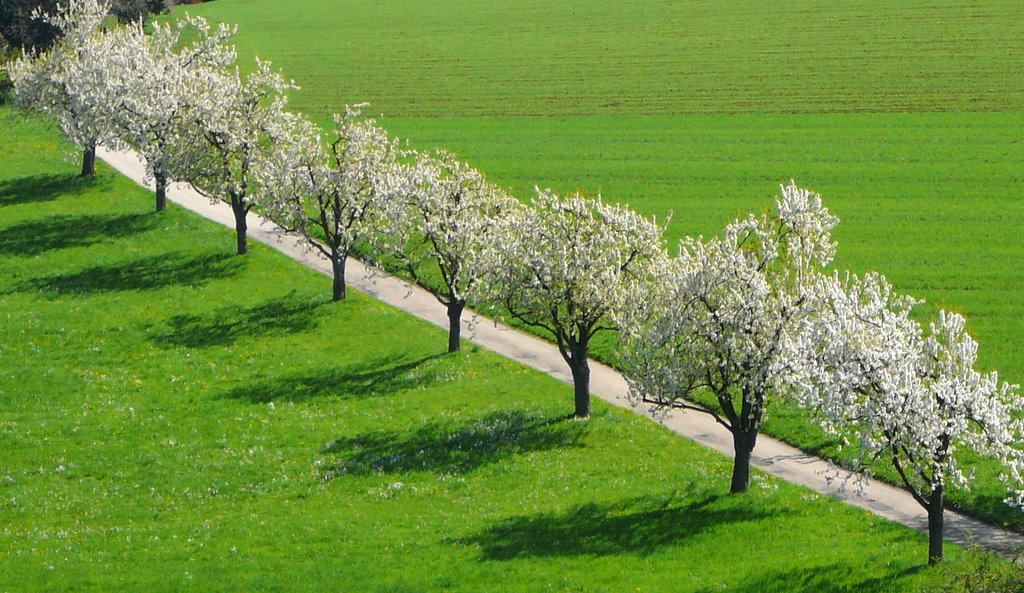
(175, 418)
(906, 116)
(471, 58)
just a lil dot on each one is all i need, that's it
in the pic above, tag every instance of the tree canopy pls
(20, 29)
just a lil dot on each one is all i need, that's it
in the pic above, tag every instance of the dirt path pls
(771, 455)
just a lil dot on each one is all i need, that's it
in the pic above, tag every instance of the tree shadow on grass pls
(447, 449)
(376, 378)
(44, 188)
(60, 232)
(831, 578)
(148, 273)
(636, 526)
(292, 313)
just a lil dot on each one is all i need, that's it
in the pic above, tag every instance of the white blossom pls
(443, 227)
(231, 125)
(568, 266)
(156, 79)
(726, 317)
(910, 398)
(336, 193)
(70, 80)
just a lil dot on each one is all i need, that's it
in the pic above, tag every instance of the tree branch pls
(682, 405)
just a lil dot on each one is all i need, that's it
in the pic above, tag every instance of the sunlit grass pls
(174, 417)
(911, 133)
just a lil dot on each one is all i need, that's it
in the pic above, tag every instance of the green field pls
(906, 116)
(470, 58)
(913, 134)
(177, 418)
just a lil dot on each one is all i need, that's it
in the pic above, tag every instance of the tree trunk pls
(89, 161)
(581, 385)
(743, 445)
(455, 307)
(161, 191)
(338, 269)
(238, 207)
(935, 525)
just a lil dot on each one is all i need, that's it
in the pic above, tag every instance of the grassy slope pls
(911, 133)
(173, 417)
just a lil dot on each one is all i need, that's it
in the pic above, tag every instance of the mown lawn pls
(905, 116)
(174, 417)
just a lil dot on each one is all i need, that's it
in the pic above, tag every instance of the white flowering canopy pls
(231, 123)
(909, 398)
(444, 222)
(338, 191)
(70, 80)
(158, 76)
(862, 341)
(726, 315)
(568, 265)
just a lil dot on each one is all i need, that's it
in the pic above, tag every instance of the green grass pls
(572, 57)
(177, 418)
(941, 222)
(905, 116)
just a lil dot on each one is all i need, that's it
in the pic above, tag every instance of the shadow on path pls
(443, 448)
(635, 526)
(289, 314)
(158, 271)
(60, 232)
(44, 188)
(377, 378)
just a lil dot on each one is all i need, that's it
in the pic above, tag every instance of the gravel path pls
(770, 455)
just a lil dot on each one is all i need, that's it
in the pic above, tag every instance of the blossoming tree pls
(911, 399)
(334, 194)
(69, 80)
(158, 77)
(725, 317)
(567, 266)
(449, 213)
(232, 124)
